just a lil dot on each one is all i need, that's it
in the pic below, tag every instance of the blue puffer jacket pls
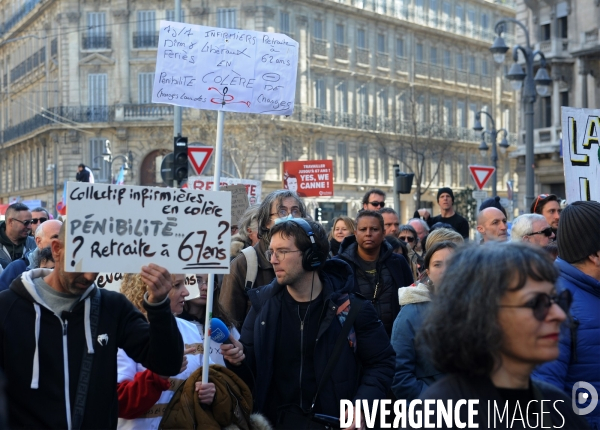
(579, 354)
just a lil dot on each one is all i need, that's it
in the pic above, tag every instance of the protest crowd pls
(372, 310)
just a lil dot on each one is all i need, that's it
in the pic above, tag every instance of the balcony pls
(461, 77)
(555, 47)
(362, 56)
(449, 75)
(435, 72)
(474, 80)
(383, 60)
(145, 40)
(20, 14)
(421, 69)
(340, 51)
(78, 114)
(486, 82)
(401, 65)
(132, 112)
(28, 65)
(318, 47)
(96, 42)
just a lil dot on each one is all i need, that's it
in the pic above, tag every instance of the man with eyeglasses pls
(14, 234)
(547, 205)
(578, 262)
(445, 198)
(532, 228)
(373, 200)
(250, 268)
(38, 216)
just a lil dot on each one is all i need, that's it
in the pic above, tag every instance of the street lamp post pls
(110, 159)
(483, 148)
(533, 85)
(49, 168)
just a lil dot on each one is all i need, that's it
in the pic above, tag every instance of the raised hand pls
(158, 280)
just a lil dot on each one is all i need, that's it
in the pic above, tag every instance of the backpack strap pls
(356, 305)
(86, 365)
(251, 267)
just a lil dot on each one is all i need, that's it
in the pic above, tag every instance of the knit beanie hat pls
(492, 202)
(578, 231)
(445, 190)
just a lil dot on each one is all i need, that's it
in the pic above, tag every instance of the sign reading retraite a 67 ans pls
(120, 228)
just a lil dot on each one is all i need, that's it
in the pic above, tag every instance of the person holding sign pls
(143, 394)
(63, 334)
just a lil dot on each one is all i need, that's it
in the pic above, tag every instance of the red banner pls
(311, 178)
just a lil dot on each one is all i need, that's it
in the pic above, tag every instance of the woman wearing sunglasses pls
(496, 316)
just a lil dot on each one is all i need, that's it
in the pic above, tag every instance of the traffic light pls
(318, 214)
(404, 182)
(180, 159)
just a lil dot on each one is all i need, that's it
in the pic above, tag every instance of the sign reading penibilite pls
(120, 228)
(225, 69)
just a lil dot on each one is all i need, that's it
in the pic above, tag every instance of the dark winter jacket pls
(373, 350)
(579, 346)
(393, 271)
(233, 296)
(37, 346)
(557, 410)
(17, 267)
(11, 252)
(414, 370)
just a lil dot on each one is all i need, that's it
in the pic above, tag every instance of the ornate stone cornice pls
(120, 13)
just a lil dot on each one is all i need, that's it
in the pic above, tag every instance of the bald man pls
(43, 238)
(491, 224)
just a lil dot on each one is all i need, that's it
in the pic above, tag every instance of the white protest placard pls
(581, 153)
(239, 202)
(225, 69)
(254, 188)
(122, 227)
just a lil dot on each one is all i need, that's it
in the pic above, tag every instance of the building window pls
(448, 173)
(485, 21)
(97, 161)
(471, 21)
(461, 115)
(420, 56)
(340, 34)
(341, 162)
(400, 48)
(563, 27)
(363, 100)
(546, 117)
(433, 12)
(318, 29)
(320, 94)
(341, 98)
(472, 113)
(460, 62)
(564, 98)
(545, 31)
(226, 17)
(447, 58)
(361, 40)
(98, 110)
(446, 14)
(146, 35)
(381, 44)
(382, 104)
(363, 164)
(448, 113)
(434, 114)
(96, 32)
(459, 16)
(472, 68)
(320, 150)
(287, 149)
(145, 82)
(284, 22)
(229, 168)
(484, 67)
(433, 55)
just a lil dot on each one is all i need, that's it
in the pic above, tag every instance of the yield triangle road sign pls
(199, 156)
(481, 174)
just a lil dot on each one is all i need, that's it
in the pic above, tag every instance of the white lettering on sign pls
(121, 228)
(581, 153)
(218, 69)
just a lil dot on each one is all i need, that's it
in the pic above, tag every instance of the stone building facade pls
(374, 78)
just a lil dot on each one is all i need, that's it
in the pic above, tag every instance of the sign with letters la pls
(225, 69)
(581, 153)
(120, 228)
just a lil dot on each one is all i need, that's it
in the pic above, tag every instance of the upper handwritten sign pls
(120, 228)
(225, 69)
(581, 153)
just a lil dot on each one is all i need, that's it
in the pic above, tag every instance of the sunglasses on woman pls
(540, 304)
(405, 239)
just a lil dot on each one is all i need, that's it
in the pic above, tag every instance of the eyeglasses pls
(546, 232)
(409, 239)
(540, 197)
(283, 212)
(279, 255)
(541, 303)
(40, 220)
(26, 223)
(377, 204)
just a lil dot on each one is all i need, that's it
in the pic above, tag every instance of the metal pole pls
(494, 134)
(529, 96)
(211, 278)
(177, 121)
(55, 198)
(396, 191)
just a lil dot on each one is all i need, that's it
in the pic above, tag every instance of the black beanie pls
(445, 190)
(492, 202)
(578, 231)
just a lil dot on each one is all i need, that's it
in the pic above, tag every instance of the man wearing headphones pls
(294, 325)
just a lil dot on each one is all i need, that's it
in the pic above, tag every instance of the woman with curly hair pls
(143, 395)
(496, 316)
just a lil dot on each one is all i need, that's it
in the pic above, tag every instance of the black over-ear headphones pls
(312, 258)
